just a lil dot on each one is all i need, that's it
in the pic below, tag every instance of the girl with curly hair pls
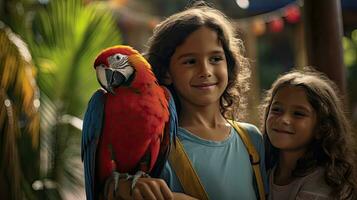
(309, 150)
(196, 55)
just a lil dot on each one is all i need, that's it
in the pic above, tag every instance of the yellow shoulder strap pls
(254, 157)
(187, 176)
(190, 181)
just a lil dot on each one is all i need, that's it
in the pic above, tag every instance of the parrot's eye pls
(118, 61)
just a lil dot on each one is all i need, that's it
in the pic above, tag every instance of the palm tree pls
(19, 117)
(64, 37)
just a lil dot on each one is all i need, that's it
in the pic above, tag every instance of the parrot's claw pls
(117, 176)
(139, 174)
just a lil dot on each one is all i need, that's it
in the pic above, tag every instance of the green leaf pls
(64, 39)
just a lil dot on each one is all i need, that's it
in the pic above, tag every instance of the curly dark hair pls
(334, 149)
(172, 32)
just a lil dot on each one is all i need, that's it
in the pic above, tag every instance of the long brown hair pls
(334, 148)
(175, 29)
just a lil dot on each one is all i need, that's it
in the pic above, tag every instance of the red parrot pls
(129, 126)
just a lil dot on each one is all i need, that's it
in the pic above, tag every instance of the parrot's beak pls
(114, 78)
(109, 79)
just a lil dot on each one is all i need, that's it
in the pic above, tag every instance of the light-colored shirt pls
(223, 167)
(309, 187)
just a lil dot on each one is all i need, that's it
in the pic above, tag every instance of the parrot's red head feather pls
(122, 49)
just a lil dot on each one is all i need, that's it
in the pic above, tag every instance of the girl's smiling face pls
(291, 120)
(198, 69)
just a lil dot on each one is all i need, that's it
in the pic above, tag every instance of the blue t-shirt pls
(224, 167)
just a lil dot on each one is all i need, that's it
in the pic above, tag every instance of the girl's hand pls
(182, 196)
(151, 188)
(145, 188)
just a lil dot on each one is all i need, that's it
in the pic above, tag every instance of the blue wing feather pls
(173, 118)
(92, 128)
(169, 136)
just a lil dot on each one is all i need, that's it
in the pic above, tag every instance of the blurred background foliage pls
(350, 58)
(19, 117)
(47, 75)
(61, 37)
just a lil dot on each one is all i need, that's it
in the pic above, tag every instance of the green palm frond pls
(66, 36)
(19, 119)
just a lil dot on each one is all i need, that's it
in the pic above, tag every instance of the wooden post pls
(299, 45)
(323, 32)
(250, 42)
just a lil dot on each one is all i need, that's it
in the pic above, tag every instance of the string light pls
(244, 4)
(276, 25)
(292, 14)
(258, 27)
(274, 21)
